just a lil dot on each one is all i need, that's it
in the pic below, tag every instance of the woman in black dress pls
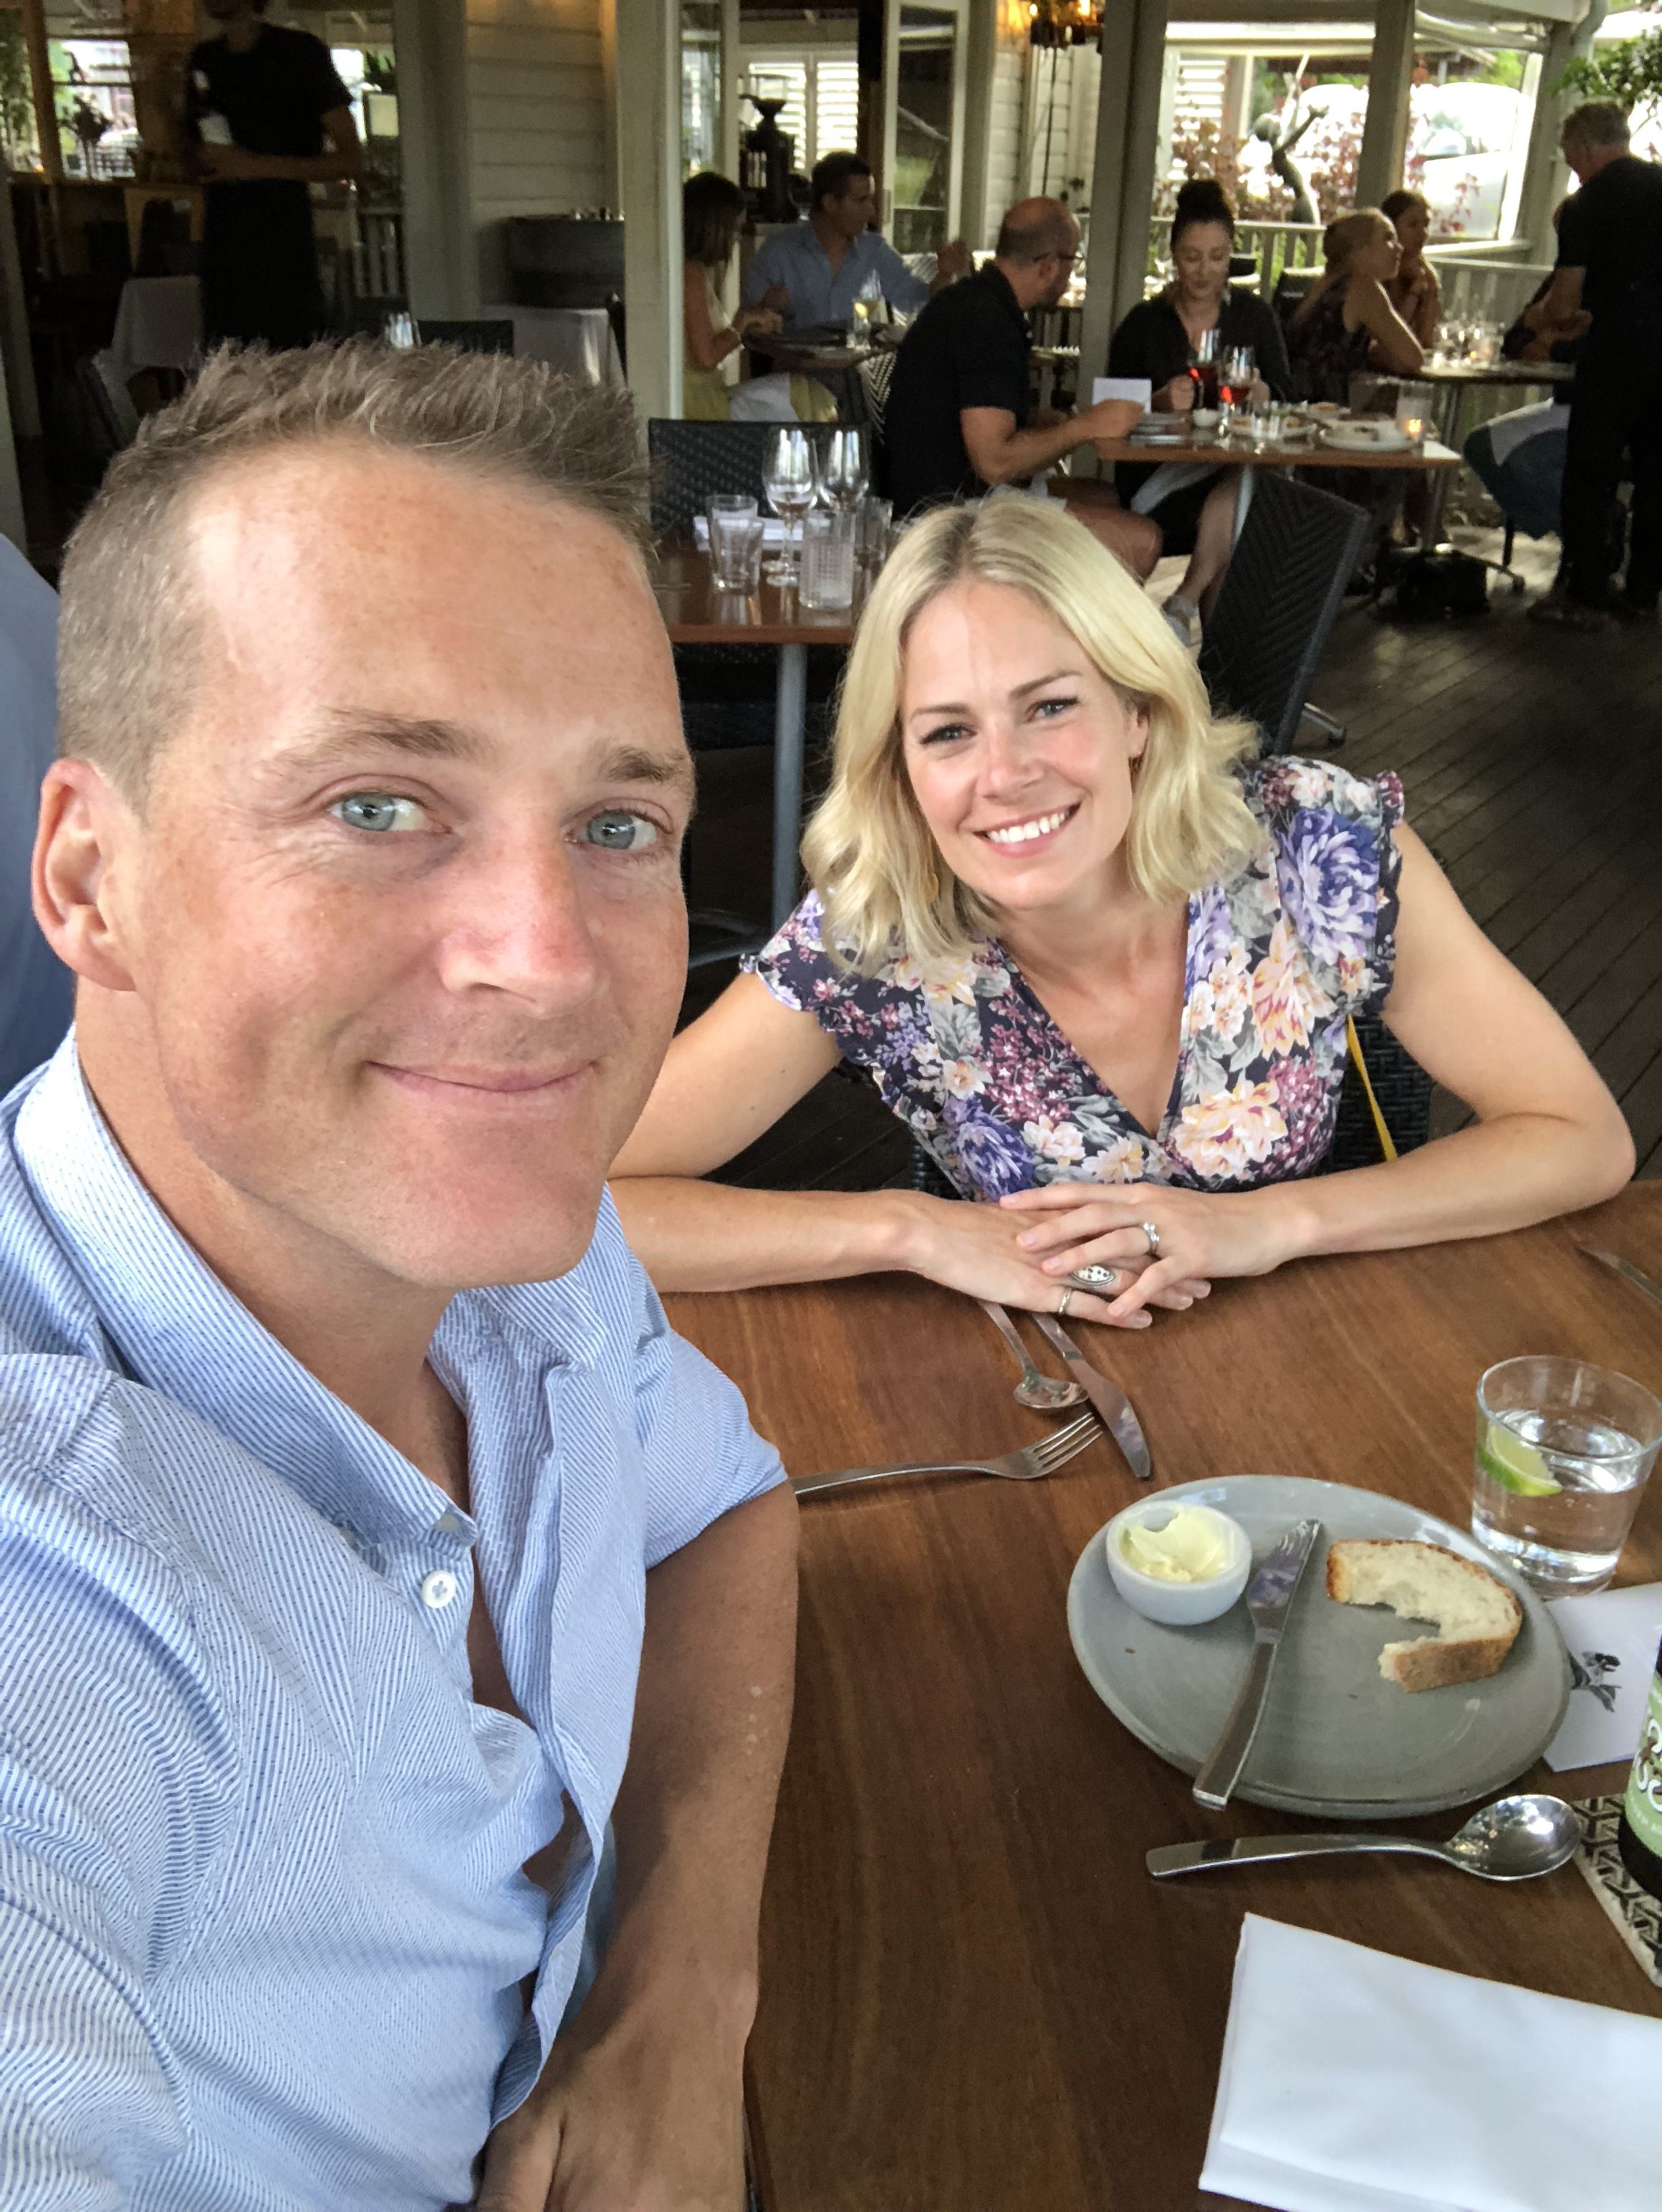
(1194, 508)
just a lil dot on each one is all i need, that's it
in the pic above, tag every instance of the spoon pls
(1507, 1841)
(1043, 1393)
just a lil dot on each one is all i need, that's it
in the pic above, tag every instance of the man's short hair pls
(1027, 242)
(1595, 123)
(128, 631)
(834, 174)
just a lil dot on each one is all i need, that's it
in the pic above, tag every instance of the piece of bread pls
(1476, 1617)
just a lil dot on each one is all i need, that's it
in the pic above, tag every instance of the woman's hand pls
(757, 322)
(977, 1249)
(1176, 398)
(1261, 395)
(1202, 1237)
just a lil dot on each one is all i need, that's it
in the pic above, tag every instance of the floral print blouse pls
(1278, 956)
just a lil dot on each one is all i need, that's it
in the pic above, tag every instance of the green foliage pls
(1629, 73)
(17, 93)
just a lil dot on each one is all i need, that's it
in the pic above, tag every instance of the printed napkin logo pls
(1591, 1671)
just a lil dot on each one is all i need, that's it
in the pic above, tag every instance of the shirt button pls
(437, 1590)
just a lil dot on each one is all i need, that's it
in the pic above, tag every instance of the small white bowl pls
(1205, 418)
(1179, 1605)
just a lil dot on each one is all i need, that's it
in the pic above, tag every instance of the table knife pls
(1270, 1596)
(1109, 1401)
(1625, 1268)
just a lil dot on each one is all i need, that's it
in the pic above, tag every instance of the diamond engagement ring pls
(1095, 1277)
(1153, 1235)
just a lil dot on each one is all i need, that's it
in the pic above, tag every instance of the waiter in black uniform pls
(273, 119)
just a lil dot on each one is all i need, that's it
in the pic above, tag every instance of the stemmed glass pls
(788, 478)
(843, 470)
(1204, 367)
(1235, 381)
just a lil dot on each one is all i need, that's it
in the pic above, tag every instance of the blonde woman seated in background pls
(1347, 321)
(1100, 963)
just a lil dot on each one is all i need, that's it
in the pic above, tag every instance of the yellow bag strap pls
(1387, 1147)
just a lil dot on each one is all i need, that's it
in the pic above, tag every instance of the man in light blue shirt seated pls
(813, 272)
(369, 1546)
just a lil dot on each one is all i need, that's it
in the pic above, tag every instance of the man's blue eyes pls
(616, 829)
(613, 829)
(375, 811)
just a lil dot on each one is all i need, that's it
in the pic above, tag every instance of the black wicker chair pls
(1276, 607)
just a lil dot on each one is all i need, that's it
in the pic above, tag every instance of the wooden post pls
(1546, 176)
(1107, 193)
(45, 111)
(979, 65)
(441, 258)
(1390, 76)
(1136, 200)
(649, 167)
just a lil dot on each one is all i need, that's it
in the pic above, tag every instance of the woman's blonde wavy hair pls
(868, 851)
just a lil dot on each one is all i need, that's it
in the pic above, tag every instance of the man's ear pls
(83, 820)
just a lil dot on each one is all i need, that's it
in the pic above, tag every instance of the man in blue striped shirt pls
(368, 1545)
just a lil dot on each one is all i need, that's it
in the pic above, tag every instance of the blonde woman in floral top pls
(1101, 967)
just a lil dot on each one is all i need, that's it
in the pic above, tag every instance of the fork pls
(1031, 1464)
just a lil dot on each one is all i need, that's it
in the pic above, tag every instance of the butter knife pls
(1270, 1596)
(1625, 1268)
(1109, 1401)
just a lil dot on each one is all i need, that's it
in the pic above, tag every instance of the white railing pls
(1484, 287)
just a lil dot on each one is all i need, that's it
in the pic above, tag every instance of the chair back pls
(1279, 599)
(691, 461)
(111, 415)
(489, 336)
(1404, 1091)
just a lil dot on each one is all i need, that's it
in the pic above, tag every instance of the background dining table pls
(973, 1995)
(696, 613)
(1453, 382)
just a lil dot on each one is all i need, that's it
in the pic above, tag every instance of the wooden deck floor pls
(1532, 763)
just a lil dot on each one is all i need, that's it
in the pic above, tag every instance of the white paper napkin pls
(773, 531)
(1354, 2082)
(1611, 1638)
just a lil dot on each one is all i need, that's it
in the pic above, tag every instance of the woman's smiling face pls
(1018, 750)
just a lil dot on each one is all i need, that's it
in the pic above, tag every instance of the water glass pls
(1563, 1452)
(873, 519)
(827, 562)
(735, 550)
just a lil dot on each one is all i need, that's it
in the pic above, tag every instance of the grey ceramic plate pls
(1337, 1740)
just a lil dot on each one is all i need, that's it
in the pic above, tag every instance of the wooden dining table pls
(696, 613)
(973, 1997)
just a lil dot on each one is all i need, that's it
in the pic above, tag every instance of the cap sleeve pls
(801, 974)
(1338, 868)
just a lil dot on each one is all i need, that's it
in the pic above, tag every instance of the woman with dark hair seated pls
(713, 211)
(1194, 505)
(1414, 290)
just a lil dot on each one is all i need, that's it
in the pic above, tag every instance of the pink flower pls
(963, 1078)
(1223, 1134)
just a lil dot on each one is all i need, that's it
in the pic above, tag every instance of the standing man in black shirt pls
(273, 119)
(1610, 263)
(959, 414)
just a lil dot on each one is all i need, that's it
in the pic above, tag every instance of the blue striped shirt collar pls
(176, 1327)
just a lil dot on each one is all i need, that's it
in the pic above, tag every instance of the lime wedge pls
(1516, 1466)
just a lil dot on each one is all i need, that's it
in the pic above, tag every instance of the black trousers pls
(1616, 413)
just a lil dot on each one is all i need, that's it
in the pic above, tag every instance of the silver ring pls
(1153, 1235)
(1095, 1277)
(1062, 1304)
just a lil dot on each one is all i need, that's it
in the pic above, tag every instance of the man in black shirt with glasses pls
(959, 419)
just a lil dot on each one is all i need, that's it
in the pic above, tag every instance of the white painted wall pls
(538, 116)
(1009, 87)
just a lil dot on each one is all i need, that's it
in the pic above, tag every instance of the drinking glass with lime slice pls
(1562, 1453)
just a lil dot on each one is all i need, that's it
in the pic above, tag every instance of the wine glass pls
(788, 478)
(1204, 367)
(1235, 380)
(843, 471)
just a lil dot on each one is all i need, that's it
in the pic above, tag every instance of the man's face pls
(1057, 270)
(403, 914)
(851, 211)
